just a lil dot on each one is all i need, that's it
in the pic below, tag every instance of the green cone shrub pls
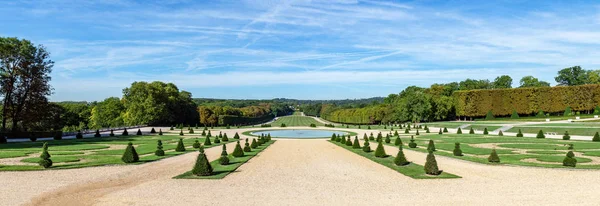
(130, 155)
(180, 147)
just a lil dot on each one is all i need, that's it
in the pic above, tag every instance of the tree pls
(24, 82)
(202, 166)
(107, 113)
(356, 144)
(45, 160)
(400, 159)
(572, 76)
(570, 160)
(207, 141)
(502, 82)
(342, 140)
(380, 151)
(457, 151)
(130, 155)
(431, 146)
(247, 147)
(493, 158)
(431, 167)
(500, 133)
(445, 129)
(530, 81)
(180, 147)
(238, 152)
(540, 135)
(596, 137)
(566, 136)
(159, 149)
(568, 111)
(333, 137)
(224, 160)
(540, 114)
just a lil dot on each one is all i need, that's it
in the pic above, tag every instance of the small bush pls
(112, 134)
(45, 160)
(283, 125)
(202, 166)
(485, 131)
(457, 151)
(125, 133)
(152, 131)
(400, 159)
(380, 151)
(139, 132)
(203, 133)
(406, 131)
(398, 141)
(396, 133)
(489, 115)
(160, 132)
(159, 149)
(180, 147)
(247, 147)
(371, 137)
(440, 132)
(254, 144)
(349, 142)
(181, 132)
(207, 141)
(540, 114)
(366, 146)
(342, 140)
(191, 131)
(130, 155)
(596, 137)
(97, 133)
(356, 144)
(493, 158)
(379, 137)
(431, 146)
(417, 132)
(568, 111)
(570, 160)
(445, 129)
(369, 127)
(519, 134)
(540, 135)
(224, 138)
(217, 140)
(566, 136)
(236, 136)
(365, 137)
(500, 133)
(238, 151)
(431, 167)
(514, 115)
(79, 135)
(196, 144)
(459, 131)
(412, 143)
(312, 125)
(333, 137)
(224, 160)
(471, 131)
(171, 128)
(209, 134)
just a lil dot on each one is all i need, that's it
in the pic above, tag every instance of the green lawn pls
(77, 153)
(412, 170)
(220, 171)
(584, 131)
(538, 119)
(551, 151)
(295, 120)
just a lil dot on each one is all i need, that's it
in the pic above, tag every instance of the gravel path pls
(301, 172)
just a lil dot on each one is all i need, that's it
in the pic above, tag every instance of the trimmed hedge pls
(45, 160)
(202, 166)
(380, 151)
(493, 158)
(180, 147)
(238, 151)
(431, 167)
(400, 159)
(570, 160)
(130, 155)
(457, 151)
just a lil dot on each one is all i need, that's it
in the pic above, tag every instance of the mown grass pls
(584, 131)
(295, 120)
(220, 171)
(412, 170)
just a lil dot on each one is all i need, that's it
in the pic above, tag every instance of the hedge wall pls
(476, 103)
(12, 135)
(237, 120)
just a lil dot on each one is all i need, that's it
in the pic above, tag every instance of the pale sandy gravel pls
(302, 172)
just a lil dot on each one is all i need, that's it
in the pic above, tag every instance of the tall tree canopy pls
(530, 81)
(502, 82)
(572, 76)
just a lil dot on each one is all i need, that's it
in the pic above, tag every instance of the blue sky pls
(306, 49)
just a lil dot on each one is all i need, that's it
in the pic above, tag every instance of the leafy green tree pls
(180, 147)
(380, 151)
(45, 160)
(493, 158)
(238, 152)
(107, 113)
(570, 160)
(159, 149)
(431, 146)
(502, 82)
(572, 76)
(431, 167)
(202, 166)
(400, 159)
(457, 151)
(130, 155)
(530, 81)
(356, 144)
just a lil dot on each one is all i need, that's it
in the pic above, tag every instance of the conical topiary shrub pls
(45, 160)
(217, 140)
(365, 136)
(79, 135)
(500, 133)
(159, 149)
(570, 160)
(471, 131)
(180, 147)
(348, 142)
(130, 155)
(125, 133)
(238, 151)
(254, 144)
(485, 131)
(379, 137)
(209, 134)
(596, 137)
(457, 151)
(400, 159)
(207, 141)
(440, 132)
(236, 136)
(366, 147)
(519, 133)
(225, 139)
(160, 132)
(371, 137)
(514, 115)
(398, 141)
(566, 136)
(112, 133)
(431, 167)
(224, 160)
(493, 158)
(343, 140)
(459, 131)
(406, 131)
(396, 133)
(380, 151)
(139, 132)
(445, 129)
(338, 138)
(540, 135)
(247, 147)
(431, 146)
(203, 133)
(202, 166)
(97, 133)
(356, 144)
(191, 131)
(196, 144)
(387, 139)
(412, 143)
(171, 128)
(333, 137)
(417, 132)
(152, 131)
(180, 132)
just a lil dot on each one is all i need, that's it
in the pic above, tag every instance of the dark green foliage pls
(459, 131)
(417, 132)
(196, 144)
(348, 142)
(45, 160)
(181, 132)
(457, 151)
(365, 136)
(207, 141)
(180, 147)
(540, 135)
(254, 144)
(247, 147)
(342, 140)
(514, 115)
(112, 134)
(338, 138)
(445, 129)
(203, 133)
(333, 137)
(217, 140)
(369, 127)
(398, 141)
(152, 131)
(471, 131)
(568, 111)
(57, 135)
(97, 133)
(570, 147)
(519, 133)
(597, 110)
(371, 137)
(283, 125)
(130, 155)
(171, 128)
(440, 132)
(387, 139)
(500, 133)
(139, 132)
(159, 149)
(209, 134)
(566, 136)
(380, 151)
(160, 132)
(412, 143)
(426, 130)
(268, 137)
(426, 127)
(570, 160)
(493, 158)
(485, 131)
(431, 146)
(596, 137)
(79, 135)
(366, 147)
(224, 160)
(540, 114)
(238, 151)
(125, 133)
(236, 136)
(406, 131)
(396, 133)
(400, 159)
(356, 144)
(431, 167)
(489, 115)
(202, 166)
(225, 139)
(191, 131)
